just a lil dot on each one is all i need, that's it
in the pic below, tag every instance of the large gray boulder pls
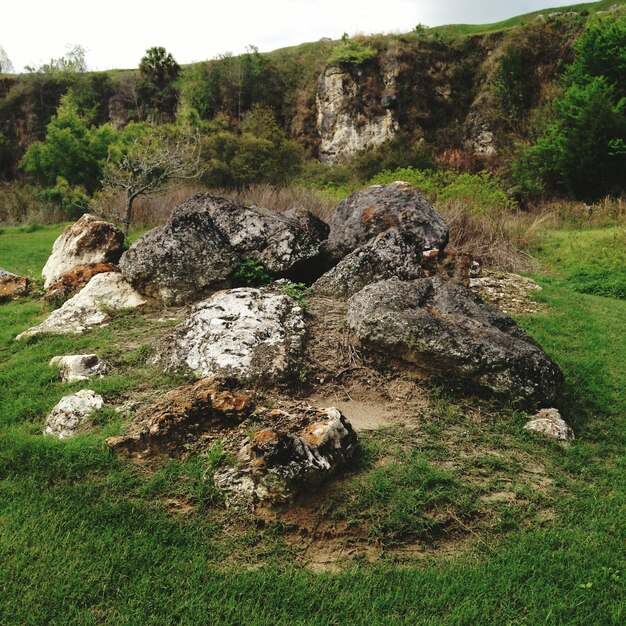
(206, 240)
(88, 241)
(389, 254)
(442, 329)
(367, 213)
(251, 335)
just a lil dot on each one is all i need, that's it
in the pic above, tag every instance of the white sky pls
(116, 33)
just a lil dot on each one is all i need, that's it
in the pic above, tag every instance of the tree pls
(159, 72)
(72, 150)
(149, 161)
(72, 62)
(6, 67)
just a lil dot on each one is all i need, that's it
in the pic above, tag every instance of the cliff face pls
(445, 92)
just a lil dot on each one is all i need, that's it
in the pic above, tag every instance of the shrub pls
(252, 273)
(351, 52)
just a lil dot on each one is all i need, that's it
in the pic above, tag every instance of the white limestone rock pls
(71, 413)
(89, 307)
(76, 367)
(549, 423)
(88, 241)
(247, 334)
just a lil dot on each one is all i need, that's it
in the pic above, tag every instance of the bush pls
(351, 52)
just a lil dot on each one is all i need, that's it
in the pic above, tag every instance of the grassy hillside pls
(457, 516)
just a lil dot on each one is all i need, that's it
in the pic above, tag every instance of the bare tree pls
(6, 67)
(150, 165)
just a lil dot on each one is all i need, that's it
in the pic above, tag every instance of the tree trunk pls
(129, 212)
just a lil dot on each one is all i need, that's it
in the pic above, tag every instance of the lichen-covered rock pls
(367, 213)
(89, 240)
(71, 413)
(89, 307)
(440, 328)
(76, 279)
(549, 423)
(12, 286)
(511, 293)
(77, 367)
(251, 335)
(303, 448)
(207, 239)
(181, 417)
(388, 255)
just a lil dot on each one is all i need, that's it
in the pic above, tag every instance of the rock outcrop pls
(89, 307)
(12, 286)
(372, 211)
(251, 335)
(549, 423)
(342, 131)
(76, 279)
(76, 367)
(441, 329)
(181, 417)
(71, 413)
(207, 239)
(302, 448)
(88, 241)
(389, 254)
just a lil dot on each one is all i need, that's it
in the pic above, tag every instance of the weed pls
(252, 273)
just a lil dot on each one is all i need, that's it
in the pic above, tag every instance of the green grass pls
(86, 538)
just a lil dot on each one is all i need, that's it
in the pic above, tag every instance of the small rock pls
(180, 417)
(251, 335)
(71, 413)
(279, 461)
(89, 307)
(549, 423)
(88, 241)
(77, 367)
(508, 292)
(76, 279)
(389, 254)
(12, 286)
(372, 211)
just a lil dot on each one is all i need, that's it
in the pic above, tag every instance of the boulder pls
(181, 417)
(89, 240)
(73, 281)
(251, 335)
(302, 449)
(90, 307)
(442, 329)
(511, 293)
(367, 213)
(207, 239)
(549, 423)
(71, 413)
(389, 254)
(76, 367)
(12, 286)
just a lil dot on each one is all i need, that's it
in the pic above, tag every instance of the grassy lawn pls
(86, 538)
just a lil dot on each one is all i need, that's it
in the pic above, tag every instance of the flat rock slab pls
(440, 328)
(302, 449)
(389, 254)
(206, 240)
(71, 413)
(181, 417)
(250, 335)
(368, 213)
(76, 367)
(89, 307)
(549, 423)
(88, 241)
